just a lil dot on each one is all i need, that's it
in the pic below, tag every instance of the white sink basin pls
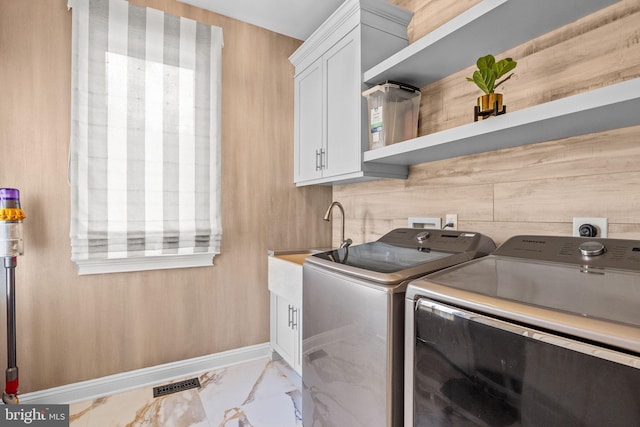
(285, 272)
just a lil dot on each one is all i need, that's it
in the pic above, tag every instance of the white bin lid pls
(384, 87)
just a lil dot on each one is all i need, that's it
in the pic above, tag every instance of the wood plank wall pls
(531, 189)
(73, 328)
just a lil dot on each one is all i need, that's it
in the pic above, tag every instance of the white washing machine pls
(353, 322)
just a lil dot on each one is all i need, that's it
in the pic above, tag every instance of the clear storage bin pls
(393, 113)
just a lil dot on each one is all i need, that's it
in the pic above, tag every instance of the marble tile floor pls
(259, 393)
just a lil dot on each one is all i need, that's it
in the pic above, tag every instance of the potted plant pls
(485, 78)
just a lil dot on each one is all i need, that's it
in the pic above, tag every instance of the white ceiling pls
(294, 18)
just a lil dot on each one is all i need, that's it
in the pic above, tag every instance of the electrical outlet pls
(451, 222)
(600, 224)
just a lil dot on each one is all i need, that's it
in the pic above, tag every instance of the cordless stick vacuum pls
(11, 245)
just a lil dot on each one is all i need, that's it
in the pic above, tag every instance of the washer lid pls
(550, 282)
(384, 264)
(381, 257)
(599, 293)
(404, 254)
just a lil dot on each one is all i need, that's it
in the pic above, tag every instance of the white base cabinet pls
(286, 333)
(285, 287)
(330, 114)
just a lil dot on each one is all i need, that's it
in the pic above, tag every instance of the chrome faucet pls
(327, 217)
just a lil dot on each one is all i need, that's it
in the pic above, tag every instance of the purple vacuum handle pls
(9, 198)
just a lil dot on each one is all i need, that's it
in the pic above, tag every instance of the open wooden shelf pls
(492, 26)
(610, 107)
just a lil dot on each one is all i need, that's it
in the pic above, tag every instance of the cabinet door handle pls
(290, 315)
(323, 155)
(294, 318)
(318, 161)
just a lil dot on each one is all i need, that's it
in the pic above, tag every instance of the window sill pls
(160, 262)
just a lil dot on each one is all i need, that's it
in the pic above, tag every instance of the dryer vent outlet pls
(590, 227)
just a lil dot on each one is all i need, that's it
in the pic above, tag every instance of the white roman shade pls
(145, 138)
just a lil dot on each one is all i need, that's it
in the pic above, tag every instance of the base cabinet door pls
(285, 331)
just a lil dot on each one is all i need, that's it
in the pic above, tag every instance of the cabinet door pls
(343, 106)
(308, 123)
(284, 339)
(297, 331)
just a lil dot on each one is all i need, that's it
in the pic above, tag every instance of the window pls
(144, 163)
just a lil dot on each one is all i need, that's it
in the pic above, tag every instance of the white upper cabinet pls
(309, 100)
(330, 116)
(342, 115)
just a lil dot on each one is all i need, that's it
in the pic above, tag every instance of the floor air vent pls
(176, 387)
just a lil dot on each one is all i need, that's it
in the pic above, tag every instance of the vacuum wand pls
(11, 245)
(10, 394)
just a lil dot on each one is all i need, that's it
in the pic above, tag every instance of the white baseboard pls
(92, 389)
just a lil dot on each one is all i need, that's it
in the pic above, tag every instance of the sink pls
(285, 272)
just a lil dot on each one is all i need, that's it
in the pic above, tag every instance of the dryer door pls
(471, 369)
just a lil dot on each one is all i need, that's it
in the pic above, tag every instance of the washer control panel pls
(591, 248)
(599, 253)
(440, 240)
(422, 236)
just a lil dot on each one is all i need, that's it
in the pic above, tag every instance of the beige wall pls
(531, 189)
(73, 328)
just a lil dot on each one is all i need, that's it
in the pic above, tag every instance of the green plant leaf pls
(485, 80)
(503, 66)
(489, 71)
(486, 62)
